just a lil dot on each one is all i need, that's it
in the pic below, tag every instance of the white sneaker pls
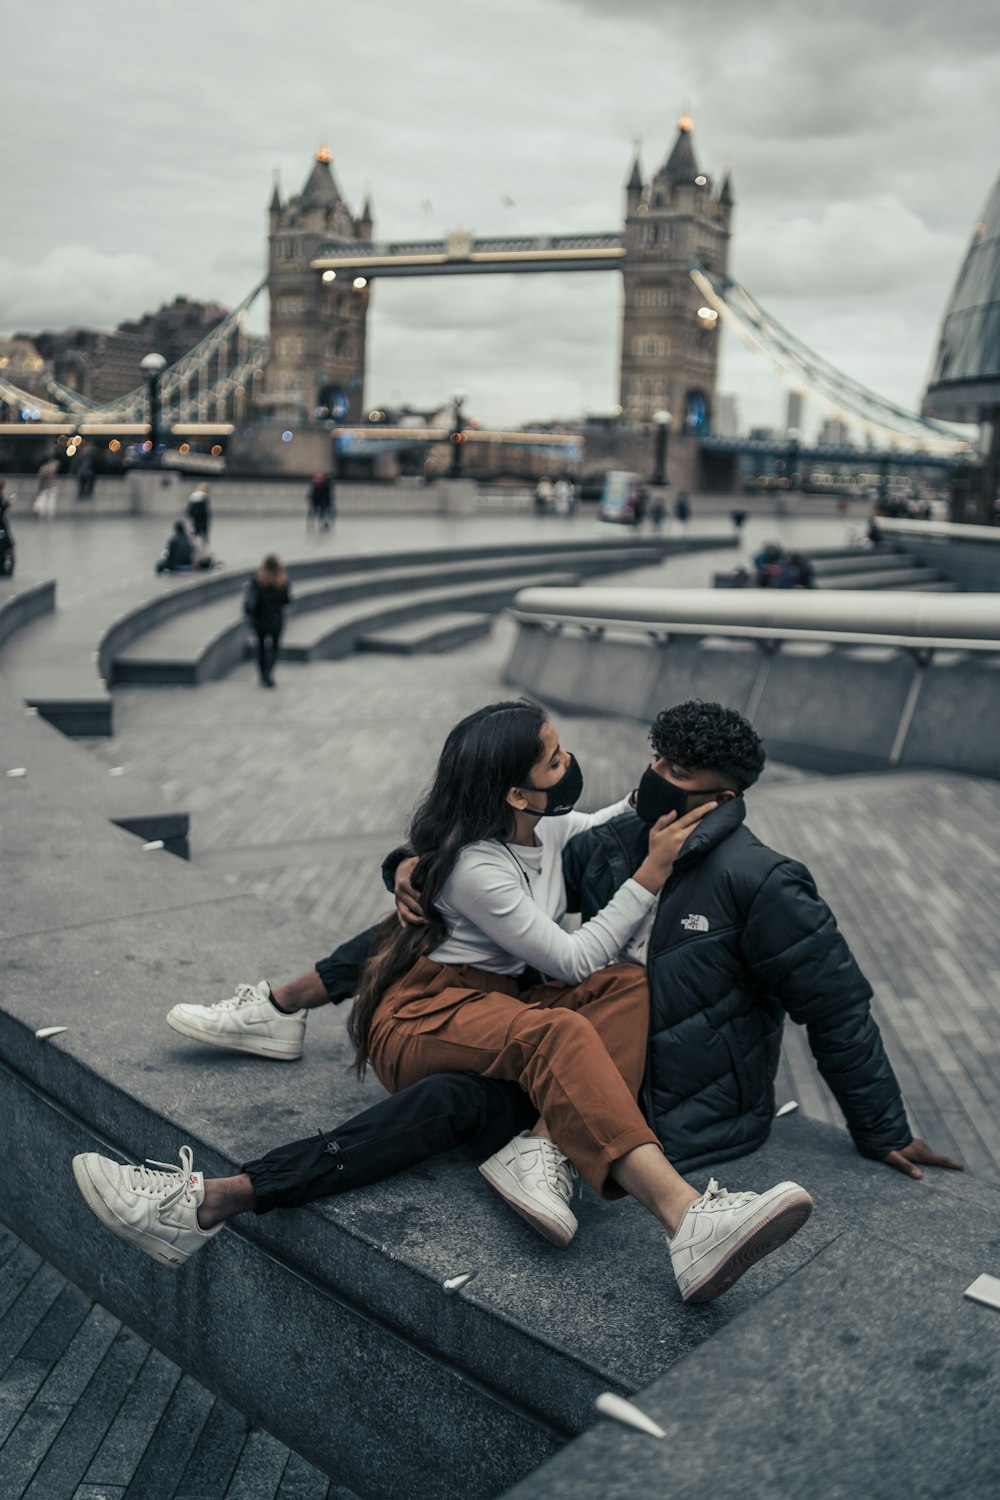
(157, 1210)
(246, 1022)
(722, 1235)
(536, 1179)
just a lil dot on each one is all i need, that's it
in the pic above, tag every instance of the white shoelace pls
(719, 1197)
(164, 1181)
(560, 1173)
(246, 994)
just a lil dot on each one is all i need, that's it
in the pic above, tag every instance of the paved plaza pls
(294, 797)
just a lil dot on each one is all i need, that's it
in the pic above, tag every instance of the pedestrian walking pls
(682, 513)
(199, 512)
(85, 472)
(47, 493)
(320, 497)
(267, 596)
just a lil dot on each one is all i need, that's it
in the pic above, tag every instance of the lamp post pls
(153, 367)
(457, 436)
(661, 420)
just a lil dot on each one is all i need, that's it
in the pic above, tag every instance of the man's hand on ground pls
(916, 1155)
(408, 909)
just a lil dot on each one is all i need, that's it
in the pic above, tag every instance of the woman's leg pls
(430, 1022)
(261, 655)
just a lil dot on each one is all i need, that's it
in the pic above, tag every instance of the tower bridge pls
(671, 252)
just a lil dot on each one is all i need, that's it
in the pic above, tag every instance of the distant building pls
(669, 353)
(726, 419)
(21, 362)
(103, 366)
(793, 413)
(316, 359)
(834, 433)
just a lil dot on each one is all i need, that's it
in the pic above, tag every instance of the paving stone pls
(42, 1320)
(18, 1271)
(128, 1437)
(67, 1460)
(301, 1481)
(258, 1473)
(211, 1465)
(172, 1443)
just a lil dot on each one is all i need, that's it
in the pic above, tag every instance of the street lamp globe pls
(153, 366)
(662, 418)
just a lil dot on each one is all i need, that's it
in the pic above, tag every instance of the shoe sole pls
(276, 1051)
(166, 1255)
(506, 1185)
(785, 1220)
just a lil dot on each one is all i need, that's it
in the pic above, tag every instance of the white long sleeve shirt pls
(503, 904)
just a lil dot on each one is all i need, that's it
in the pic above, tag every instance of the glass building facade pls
(965, 381)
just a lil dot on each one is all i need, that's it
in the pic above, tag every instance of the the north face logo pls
(695, 923)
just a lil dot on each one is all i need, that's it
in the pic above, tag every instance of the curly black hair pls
(708, 737)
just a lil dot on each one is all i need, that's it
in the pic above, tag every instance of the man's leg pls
(399, 1131)
(270, 1021)
(171, 1213)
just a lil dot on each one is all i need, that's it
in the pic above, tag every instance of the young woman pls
(268, 596)
(458, 993)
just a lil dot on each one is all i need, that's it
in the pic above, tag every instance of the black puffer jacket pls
(741, 939)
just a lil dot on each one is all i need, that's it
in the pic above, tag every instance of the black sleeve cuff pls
(391, 864)
(341, 972)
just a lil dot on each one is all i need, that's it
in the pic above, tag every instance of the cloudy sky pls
(141, 142)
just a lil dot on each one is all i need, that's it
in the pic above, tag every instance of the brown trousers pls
(578, 1052)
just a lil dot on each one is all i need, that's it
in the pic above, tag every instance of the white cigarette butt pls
(18, 771)
(455, 1283)
(50, 1031)
(624, 1411)
(153, 844)
(116, 770)
(787, 1109)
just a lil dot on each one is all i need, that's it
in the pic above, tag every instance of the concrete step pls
(896, 578)
(430, 634)
(328, 634)
(204, 643)
(857, 561)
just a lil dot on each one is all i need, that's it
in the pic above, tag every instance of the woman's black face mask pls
(655, 796)
(563, 795)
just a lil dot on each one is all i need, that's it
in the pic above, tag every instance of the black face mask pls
(655, 796)
(563, 795)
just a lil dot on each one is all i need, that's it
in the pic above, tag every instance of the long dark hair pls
(484, 756)
(271, 572)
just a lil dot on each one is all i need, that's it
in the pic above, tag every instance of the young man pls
(740, 938)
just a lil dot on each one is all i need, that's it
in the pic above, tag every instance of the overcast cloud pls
(863, 139)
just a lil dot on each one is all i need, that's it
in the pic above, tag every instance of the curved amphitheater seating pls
(835, 682)
(192, 631)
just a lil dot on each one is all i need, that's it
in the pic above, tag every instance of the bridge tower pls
(669, 355)
(316, 362)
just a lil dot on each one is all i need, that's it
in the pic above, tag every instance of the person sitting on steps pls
(457, 991)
